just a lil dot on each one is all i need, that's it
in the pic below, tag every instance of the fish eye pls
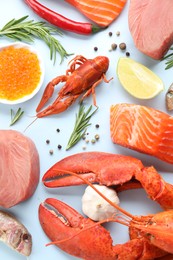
(25, 237)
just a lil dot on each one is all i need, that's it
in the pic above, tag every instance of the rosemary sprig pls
(81, 124)
(22, 30)
(169, 58)
(16, 116)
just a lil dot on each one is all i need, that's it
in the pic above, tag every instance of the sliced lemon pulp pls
(138, 80)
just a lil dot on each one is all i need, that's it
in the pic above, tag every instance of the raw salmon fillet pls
(151, 26)
(102, 12)
(142, 129)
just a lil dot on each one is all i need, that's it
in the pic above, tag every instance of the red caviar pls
(19, 72)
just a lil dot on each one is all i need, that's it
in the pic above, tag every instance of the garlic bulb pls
(97, 208)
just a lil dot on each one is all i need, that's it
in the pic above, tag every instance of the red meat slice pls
(19, 168)
(151, 26)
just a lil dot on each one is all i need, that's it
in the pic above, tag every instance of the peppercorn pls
(97, 137)
(95, 48)
(58, 130)
(127, 54)
(97, 125)
(122, 46)
(113, 46)
(51, 152)
(93, 141)
(59, 146)
(47, 141)
(110, 34)
(118, 33)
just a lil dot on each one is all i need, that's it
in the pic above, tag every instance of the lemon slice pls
(138, 80)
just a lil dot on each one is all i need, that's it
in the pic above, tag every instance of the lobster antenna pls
(30, 124)
(94, 188)
(118, 219)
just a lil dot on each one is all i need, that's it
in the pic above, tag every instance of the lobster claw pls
(104, 168)
(61, 222)
(108, 169)
(83, 238)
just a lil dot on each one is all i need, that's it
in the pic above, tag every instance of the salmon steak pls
(143, 129)
(102, 12)
(151, 26)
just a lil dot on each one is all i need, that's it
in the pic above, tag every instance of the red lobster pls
(84, 78)
(151, 236)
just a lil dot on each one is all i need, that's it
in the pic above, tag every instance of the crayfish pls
(151, 236)
(84, 78)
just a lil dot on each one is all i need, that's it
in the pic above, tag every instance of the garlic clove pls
(97, 208)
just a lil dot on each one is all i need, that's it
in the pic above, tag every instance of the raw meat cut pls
(101, 12)
(151, 26)
(19, 168)
(142, 129)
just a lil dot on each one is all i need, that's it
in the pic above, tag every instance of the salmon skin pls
(151, 26)
(101, 12)
(142, 129)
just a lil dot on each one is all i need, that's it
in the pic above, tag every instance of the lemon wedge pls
(138, 80)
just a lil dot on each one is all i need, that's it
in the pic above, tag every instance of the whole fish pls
(14, 234)
(169, 98)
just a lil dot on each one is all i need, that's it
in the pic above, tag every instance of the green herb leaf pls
(16, 116)
(169, 58)
(81, 124)
(22, 30)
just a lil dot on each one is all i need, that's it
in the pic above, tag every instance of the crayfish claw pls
(49, 90)
(46, 95)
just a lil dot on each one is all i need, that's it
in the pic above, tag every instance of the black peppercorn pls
(59, 146)
(127, 54)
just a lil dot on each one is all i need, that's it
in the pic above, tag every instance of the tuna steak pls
(151, 26)
(19, 168)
